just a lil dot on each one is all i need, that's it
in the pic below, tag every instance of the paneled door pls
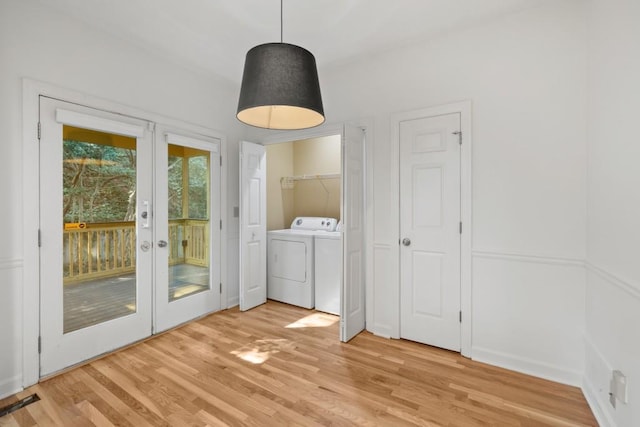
(253, 225)
(430, 230)
(95, 233)
(352, 310)
(187, 228)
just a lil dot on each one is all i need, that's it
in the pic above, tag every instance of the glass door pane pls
(188, 210)
(187, 222)
(99, 234)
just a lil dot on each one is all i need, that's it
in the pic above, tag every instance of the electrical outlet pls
(612, 400)
(620, 389)
(617, 388)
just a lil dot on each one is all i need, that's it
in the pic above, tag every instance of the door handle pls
(162, 244)
(145, 246)
(406, 241)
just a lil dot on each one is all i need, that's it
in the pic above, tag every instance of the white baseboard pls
(590, 394)
(232, 302)
(10, 386)
(528, 366)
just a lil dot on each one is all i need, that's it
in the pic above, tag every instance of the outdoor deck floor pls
(96, 301)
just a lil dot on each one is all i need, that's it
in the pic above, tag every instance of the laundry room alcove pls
(304, 181)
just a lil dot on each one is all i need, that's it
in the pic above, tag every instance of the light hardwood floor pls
(282, 365)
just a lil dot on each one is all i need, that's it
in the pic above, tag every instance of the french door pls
(129, 231)
(187, 218)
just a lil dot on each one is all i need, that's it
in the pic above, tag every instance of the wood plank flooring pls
(281, 365)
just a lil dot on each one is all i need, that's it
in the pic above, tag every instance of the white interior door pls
(253, 225)
(430, 230)
(187, 226)
(352, 313)
(96, 234)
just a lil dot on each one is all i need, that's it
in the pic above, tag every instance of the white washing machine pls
(290, 260)
(328, 271)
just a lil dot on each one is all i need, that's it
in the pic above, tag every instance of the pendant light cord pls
(281, 21)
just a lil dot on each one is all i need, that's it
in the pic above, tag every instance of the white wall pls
(317, 156)
(41, 44)
(613, 233)
(526, 77)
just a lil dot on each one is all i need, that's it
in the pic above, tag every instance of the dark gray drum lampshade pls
(280, 88)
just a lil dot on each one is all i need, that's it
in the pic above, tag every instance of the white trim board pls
(10, 386)
(464, 108)
(602, 417)
(528, 366)
(32, 90)
(599, 407)
(530, 258)
(629, 288)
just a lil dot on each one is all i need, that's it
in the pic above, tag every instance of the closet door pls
(253, 225)
(352, 314)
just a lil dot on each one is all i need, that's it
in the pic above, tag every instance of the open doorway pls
(348, 188)
(304, 188)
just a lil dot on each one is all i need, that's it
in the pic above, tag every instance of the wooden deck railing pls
(109, 249)
(188, 240)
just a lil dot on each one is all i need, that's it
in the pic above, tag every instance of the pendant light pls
(280, 87)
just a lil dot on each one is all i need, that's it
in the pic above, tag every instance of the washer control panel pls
(314, 223)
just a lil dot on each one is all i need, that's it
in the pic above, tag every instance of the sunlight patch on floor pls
(315, 320)
(259, 351)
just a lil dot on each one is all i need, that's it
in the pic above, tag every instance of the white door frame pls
(32, 90)
(464, 108)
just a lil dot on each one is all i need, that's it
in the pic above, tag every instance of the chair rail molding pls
(628, 287)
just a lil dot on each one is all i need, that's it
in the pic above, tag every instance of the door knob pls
(145, 246)
(162, 244)
(406, 241)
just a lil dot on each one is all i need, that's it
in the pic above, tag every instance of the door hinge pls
(39, 345)
(220, 224)
(220, 160)
(39, 131)
(459, 133)
(460, 316)
(39, 238)
(460, 227)
(220, 287)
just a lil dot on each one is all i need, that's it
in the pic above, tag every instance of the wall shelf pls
(288, 182)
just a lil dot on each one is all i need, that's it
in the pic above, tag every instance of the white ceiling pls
(214, 35)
